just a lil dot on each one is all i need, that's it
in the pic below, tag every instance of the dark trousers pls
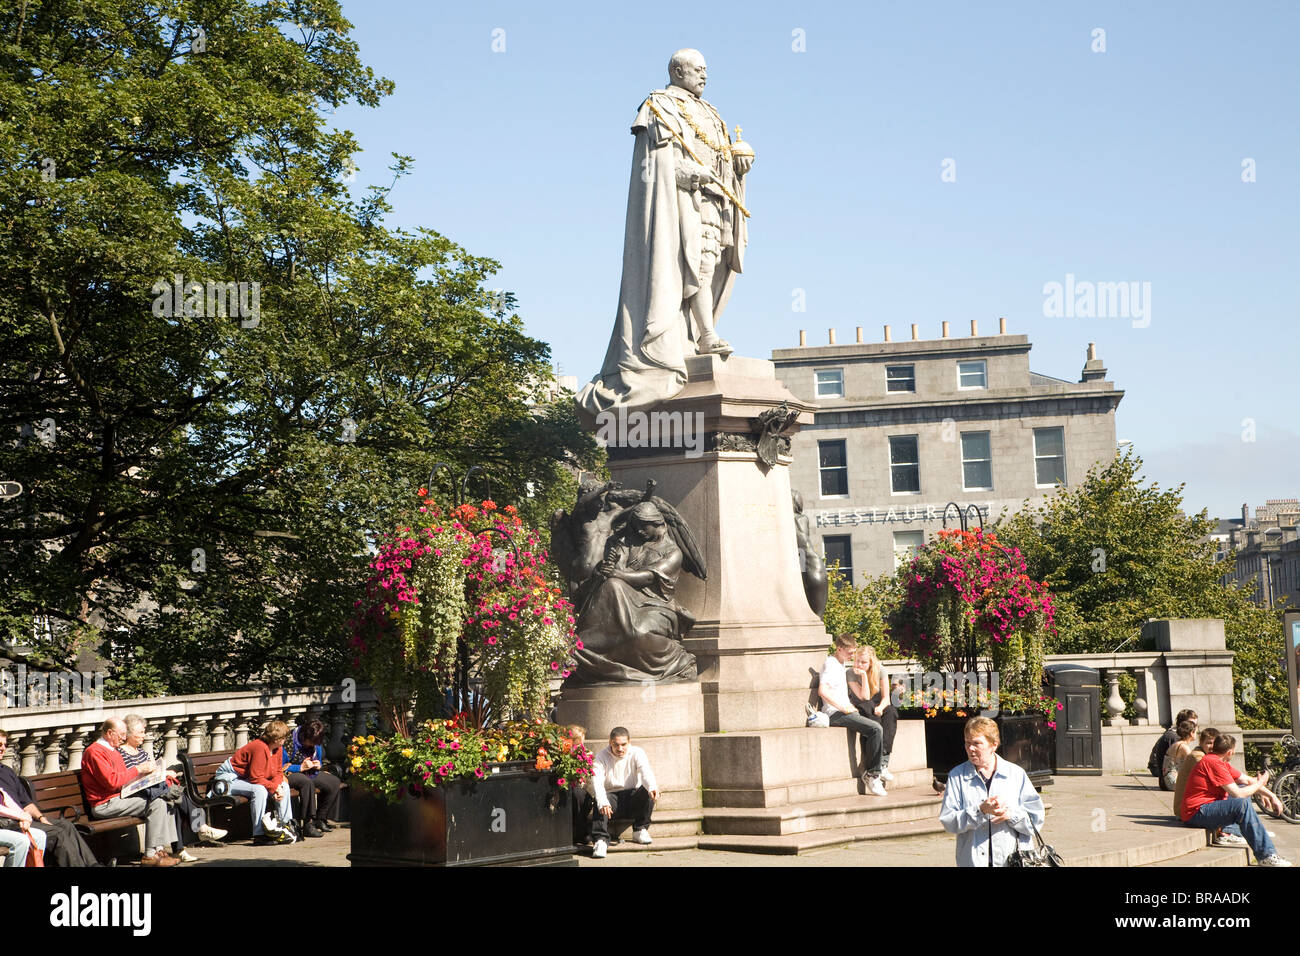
(64, 845)
(583, 805)
(888, 718)
(872, 737)
(637, 804)
(319, 794)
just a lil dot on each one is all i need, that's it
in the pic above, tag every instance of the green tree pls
(1116, 551)
(204, 476)
(861, 610)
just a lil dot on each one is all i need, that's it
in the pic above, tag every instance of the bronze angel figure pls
(622, 552)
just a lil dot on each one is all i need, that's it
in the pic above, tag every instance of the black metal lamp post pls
(963, 515)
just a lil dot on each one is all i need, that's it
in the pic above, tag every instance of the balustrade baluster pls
(171, 740)
(1114, 700)
(30, 749)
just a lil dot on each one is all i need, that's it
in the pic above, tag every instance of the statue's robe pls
(632, 634)
(654, 331)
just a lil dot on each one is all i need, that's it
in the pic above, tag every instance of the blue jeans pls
(18, 845)
(1238, 810)
(257, 797)
(873, 738)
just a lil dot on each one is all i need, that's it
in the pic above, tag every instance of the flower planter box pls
(1026, 741)
(513, 817)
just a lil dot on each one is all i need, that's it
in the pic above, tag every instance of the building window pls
(830, 383)
(1049, 456)
(904, 466)
(976, 462)
(839, 550)
(905, 545)
(900, 378)
(972, 374)
(832, 460)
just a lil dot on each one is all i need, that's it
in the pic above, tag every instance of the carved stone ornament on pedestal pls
(622, 552)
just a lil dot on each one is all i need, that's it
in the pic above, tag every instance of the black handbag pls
(1040, 854)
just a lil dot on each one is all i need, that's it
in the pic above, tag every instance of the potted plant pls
(461, 634)
(969, 610)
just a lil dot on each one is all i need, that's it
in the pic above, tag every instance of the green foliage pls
(212, 482)
(1117, 551)
(862, 610)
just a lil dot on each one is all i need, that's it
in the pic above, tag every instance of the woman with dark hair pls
(318, 789)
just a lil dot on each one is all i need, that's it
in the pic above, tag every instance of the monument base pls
(664, 720)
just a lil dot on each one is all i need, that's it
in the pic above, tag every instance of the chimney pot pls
(916, 332)
(945, 330)
(831, 332)
(888, 337)
(1092, 351)
(974, 328)
(803, 337)
(1002, 326)
(859, 333)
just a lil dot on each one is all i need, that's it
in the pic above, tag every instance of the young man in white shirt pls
(833, 688)
(621, 783)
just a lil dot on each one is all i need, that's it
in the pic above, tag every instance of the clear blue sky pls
(1114, 166)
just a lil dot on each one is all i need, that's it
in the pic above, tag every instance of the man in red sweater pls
(104, 774)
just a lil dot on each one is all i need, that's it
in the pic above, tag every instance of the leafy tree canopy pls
(1116, 550)
(204, 472)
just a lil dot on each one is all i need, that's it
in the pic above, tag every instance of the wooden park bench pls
(59, 795)
(200, 774)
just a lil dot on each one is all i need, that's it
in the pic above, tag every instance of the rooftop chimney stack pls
(1002, 326)
(974, 328)
(859, 333)
(1093, 369)
(945, 330)
(888, 335)
(831, 332)
(803, 338)
(916, 332)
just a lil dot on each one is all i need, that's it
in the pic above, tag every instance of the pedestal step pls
(899, 806)
(795, 843)
(666, 823)
(1208, 856)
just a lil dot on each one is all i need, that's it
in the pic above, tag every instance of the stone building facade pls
(905, 427)
(1267, 550)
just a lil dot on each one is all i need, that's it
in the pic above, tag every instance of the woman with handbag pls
(26, 843)
(989, 802)
(179, 803)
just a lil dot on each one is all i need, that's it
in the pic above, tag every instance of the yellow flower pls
(408, 752)
(356, 763)
(358, 740)
(370, 738)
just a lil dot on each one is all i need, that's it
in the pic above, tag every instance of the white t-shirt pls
(835, 683)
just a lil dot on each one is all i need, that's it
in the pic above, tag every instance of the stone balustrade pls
(47, 740)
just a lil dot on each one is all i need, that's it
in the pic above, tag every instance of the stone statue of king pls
(683, 244)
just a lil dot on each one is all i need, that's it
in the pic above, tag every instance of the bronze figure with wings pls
(622, 552)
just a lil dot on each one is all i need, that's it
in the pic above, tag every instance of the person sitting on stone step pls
(1216, 795)
(621, 783)
(833, 689)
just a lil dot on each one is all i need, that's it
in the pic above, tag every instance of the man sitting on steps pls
(621, 781)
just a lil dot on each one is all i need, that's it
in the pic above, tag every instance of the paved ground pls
(1087, 818)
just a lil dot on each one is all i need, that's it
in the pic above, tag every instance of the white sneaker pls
(207, 834)
(270, 824)
(1274, 860)
(185, 856)
(886, 775)
(1230, 839)
(875, 787)
(641, 836)
(599, 851)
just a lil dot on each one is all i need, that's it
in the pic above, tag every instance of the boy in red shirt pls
(1214, 798)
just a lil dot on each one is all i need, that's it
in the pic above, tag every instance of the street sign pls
(10, 489)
